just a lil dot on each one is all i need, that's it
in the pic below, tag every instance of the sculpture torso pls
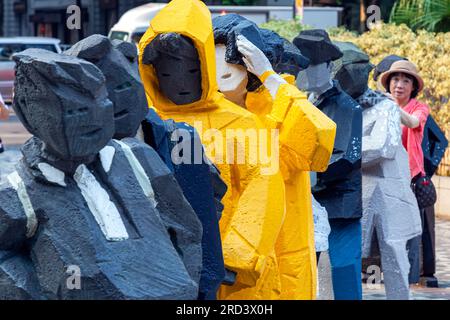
(70, 232)
(339, 188)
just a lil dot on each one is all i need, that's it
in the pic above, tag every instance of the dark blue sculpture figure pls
(80, 216)
(200, 181)
(434, 144)
(202, 187)
(339, 188)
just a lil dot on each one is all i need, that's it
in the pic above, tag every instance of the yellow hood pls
(192, 19)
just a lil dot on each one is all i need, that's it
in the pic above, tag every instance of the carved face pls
(314, 78)
(231, 78)
(179, 78)
(118, 62)
(86, 125)
(63, 101)
(126, 91)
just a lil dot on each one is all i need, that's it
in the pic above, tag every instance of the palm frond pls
(406, 11)
(432, 15)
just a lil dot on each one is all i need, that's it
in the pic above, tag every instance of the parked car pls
(133, 23)
(9, 46)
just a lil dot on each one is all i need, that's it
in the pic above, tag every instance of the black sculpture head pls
(385, 65)
(292, 61)
(316, 45)
(63, 101)
(353, 69)
(177, 67)
(118, 62)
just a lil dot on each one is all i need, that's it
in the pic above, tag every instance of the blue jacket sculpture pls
(338, 189)
(434, 144)
(202, 187)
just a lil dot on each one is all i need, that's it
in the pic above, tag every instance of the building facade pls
(49, 17)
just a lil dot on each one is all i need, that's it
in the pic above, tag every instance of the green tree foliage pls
(288, 29)
(431, 15)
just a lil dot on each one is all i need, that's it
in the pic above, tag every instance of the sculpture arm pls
(384, 136)
(4, 110)
(177, 215)
(306, 133)
(256, 220)
(346, 157)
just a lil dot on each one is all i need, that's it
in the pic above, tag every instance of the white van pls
(133, 23)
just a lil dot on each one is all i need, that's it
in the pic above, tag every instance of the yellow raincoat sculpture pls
(303, 123)
(254, 243)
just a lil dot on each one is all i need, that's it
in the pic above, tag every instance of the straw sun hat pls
(402, 66)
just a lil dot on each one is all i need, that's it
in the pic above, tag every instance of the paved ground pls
(442, 270)
(8, 159)
(13, 132)
(13, 135)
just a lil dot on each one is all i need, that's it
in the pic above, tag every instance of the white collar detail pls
(100, 205)
(52, 174)
(106, 157)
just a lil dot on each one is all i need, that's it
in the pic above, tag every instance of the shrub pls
(288, 29)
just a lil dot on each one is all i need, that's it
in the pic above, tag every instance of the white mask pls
(232, 79)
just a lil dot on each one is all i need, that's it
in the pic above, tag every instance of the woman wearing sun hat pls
(404, 83)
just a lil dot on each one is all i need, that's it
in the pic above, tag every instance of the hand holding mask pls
(255, 60)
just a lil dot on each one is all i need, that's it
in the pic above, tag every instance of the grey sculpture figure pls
(118, 62)
(200, 182)
(390, 211)
(80, 205)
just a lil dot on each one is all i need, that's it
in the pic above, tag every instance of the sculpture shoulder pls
(292, 91)
(385, 108)
(233, 116)
(388, 105)
(346, 101)
(146, 155)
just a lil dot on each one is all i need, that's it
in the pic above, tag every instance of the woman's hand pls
(408, 120)
(255, 60)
